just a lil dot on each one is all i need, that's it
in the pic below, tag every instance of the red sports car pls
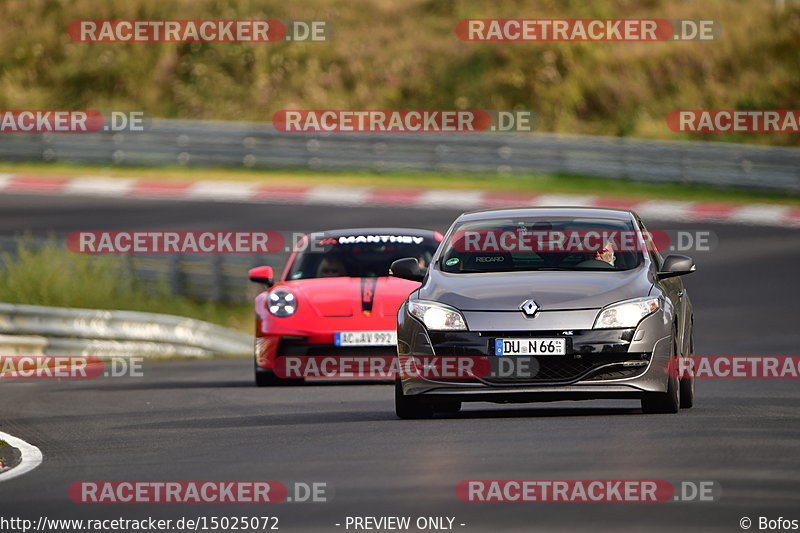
(335, 297)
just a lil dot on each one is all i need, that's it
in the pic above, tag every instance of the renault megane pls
(581, 296)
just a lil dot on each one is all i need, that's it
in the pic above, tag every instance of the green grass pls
(54, 276)
(529, 183)
(388, 54)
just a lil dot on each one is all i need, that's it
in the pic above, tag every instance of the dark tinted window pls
(359, 256)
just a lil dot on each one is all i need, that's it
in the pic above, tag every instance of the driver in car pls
(331, 267)
(606, 253)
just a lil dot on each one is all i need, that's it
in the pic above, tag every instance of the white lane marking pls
(759, 214)
(332, 195)
(4, 179)
(664, 210)
(558, 200)
(454, 199)
(31, 457)
(221, 190)
(99, 186)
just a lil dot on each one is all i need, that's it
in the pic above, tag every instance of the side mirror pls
(676, 265)
(407, 268)
(262, 274)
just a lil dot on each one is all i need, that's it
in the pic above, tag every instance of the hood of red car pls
(338, 297)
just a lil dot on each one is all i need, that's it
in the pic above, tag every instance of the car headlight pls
(437, 317)
(282, 302)
(626, 314)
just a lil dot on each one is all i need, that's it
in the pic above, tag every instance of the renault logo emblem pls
(529, 307)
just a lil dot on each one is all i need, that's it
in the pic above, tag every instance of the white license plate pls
(550, 346)
(365, 338)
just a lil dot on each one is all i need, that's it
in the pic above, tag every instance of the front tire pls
(410, 407)
(449, 407)
(687, 383)
(664, 402)
(267, 378)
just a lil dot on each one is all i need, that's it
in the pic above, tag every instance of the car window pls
(655, 255)
(360, 256)
(534, 244)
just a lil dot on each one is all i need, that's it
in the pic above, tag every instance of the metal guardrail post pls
(217, 279)
(175, 276)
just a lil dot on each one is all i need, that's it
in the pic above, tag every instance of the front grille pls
(591, 354)
(561, 369)
(330, 350)
(585, 342)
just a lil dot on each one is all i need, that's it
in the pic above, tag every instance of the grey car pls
(589, 323)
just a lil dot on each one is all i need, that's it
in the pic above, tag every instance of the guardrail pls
(242, 144)
(20, 345)
(115, 333)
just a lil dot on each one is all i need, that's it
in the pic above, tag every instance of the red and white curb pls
(31, 457)
(459, 200)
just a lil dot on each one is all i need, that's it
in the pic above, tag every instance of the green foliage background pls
(405, 54)
(51, 275)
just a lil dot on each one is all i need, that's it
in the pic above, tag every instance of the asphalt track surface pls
(200, 420)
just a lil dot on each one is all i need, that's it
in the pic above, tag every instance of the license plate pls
(365, 338)
(554, 346)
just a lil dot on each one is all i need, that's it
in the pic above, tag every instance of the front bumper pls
(600, 363)
(279, 339)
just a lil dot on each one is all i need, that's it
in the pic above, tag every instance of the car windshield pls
(359, 256)
(536, 244)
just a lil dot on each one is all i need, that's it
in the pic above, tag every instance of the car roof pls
(550, 211)
(350, 232)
